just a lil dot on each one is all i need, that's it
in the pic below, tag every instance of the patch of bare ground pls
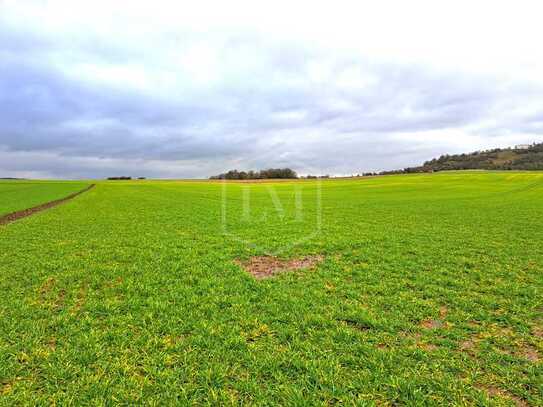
(436, 323)
(537, 331)
(493, 391)
(418, 342)
(530, 353)
(468, 345)
(428, 347)
(261, 267)
(12, 217)
(432, 324)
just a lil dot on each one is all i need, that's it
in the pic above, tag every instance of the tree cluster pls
(271, 173)
(119, 178)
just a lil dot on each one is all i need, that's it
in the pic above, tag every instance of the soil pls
(531, 354)
(428, 347)
(431, 324)
(261, 267)
(537, 331)
(12, 217)
(467, 345)
(493, 391)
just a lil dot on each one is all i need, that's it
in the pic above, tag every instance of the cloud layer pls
(165, 92)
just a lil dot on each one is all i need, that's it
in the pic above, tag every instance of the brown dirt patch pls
(267, 266)
(537, 331)
(428, 347)
(431, 324)
(493, 391)
(530, 353)
(12, 217)
(467, 345)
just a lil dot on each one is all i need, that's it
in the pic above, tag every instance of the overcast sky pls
(190, 89)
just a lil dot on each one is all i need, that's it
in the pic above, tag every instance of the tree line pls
(270, 173)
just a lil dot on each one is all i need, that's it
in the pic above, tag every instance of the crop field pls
(400, 290)
(19, 195)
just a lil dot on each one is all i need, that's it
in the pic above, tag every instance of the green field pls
(429, 293)
(17, 195)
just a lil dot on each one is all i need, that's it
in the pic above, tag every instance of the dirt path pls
(12, 217)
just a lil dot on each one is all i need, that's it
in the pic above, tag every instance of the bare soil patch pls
(12, 217)
(467, 345)
(261, 267)
(537, 331)
(530, 353)
(428, 347)
(431, 324)
(493, 391)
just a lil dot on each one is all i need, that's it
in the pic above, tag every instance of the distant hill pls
(525, 157)
(528, 157)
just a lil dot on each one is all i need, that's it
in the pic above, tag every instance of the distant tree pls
(270, 173)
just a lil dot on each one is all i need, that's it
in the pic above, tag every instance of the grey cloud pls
(263, 110)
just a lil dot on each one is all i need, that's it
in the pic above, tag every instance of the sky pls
(173, 89)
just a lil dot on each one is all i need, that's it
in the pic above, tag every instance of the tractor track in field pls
(12, 217)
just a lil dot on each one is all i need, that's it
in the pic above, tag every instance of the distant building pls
(522, 146)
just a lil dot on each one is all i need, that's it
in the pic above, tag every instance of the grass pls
(429, 293)
(18, 195)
